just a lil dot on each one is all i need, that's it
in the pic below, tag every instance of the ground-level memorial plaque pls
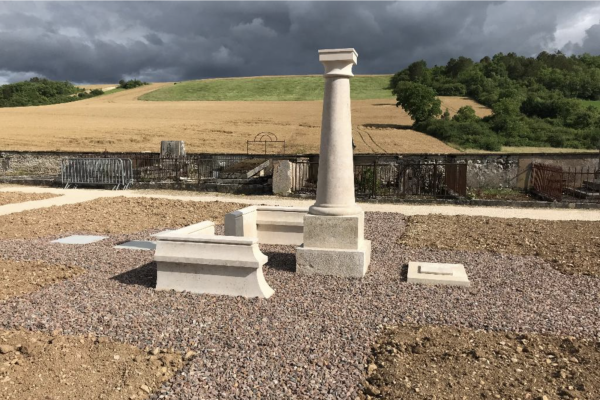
(437, 274)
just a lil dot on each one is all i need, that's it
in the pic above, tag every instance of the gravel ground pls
(17, 197)
(572, 247)
(112, 216)
(311, 340)
(481, 365)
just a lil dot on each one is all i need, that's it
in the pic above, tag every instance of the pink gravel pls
(310, 340)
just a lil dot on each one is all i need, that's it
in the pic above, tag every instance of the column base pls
(334, 262)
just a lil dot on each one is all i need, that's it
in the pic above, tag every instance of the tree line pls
(41, 91)
(536, 101)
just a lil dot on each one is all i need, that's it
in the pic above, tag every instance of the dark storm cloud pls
(104, 42)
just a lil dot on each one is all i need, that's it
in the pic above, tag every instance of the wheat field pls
(121, 122)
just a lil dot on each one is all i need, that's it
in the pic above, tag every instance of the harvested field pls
(453, 103)
(19, 197)
(572, 247)
(52, 366)
(312, 339)
(414, 362)
(19, 277)
(111, 216)
(119, 122)
(98, 86)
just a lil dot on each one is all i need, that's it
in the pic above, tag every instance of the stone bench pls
(193, 259)
(271, 225)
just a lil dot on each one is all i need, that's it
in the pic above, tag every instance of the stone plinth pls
(334, 227)
(345, 263)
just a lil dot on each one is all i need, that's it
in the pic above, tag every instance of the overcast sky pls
(106, 41)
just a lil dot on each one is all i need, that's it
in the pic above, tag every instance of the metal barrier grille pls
(547, 181)
(116, 172)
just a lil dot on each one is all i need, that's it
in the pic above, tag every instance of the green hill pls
(281, 88)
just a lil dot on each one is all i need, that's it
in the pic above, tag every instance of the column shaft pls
(335, 187)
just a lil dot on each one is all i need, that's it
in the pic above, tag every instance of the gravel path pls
(72, 195)
(310, 340)
(18, 197)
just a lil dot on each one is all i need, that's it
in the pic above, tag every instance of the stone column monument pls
(334, 241)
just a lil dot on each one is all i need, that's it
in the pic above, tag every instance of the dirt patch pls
(111, 216)
(17, 197)
(572, 247)
(412, 362)
(20, 277)
(34, 365)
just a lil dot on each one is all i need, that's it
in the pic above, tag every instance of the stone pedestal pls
(334, 226)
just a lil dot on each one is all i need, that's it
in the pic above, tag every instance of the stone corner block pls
(334, 232)
(346, 263)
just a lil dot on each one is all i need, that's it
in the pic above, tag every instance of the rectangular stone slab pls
(436, 269)
(79, 239)
(458, 278)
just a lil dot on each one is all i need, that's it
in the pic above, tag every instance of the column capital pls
(338, 62)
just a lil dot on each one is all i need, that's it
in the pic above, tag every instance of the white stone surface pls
(271, 225)
(137, 245)
(334, 232)
(194, 259)
(335, 187)
(437, 274)
(79, 239)
(334, 227)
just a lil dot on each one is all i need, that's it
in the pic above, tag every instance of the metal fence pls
(376, 179)
(553, 183)
(116, 172)
(189, 168)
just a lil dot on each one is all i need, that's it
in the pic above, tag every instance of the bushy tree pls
(465, 114)
(133, 83)
(418, 100)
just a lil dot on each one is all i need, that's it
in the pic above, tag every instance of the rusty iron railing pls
(553, 183)
(385, 179)
(547, 181)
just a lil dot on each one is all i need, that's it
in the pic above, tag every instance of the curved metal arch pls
(265, 137)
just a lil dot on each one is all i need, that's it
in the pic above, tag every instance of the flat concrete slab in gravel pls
(137, 245)
(80, 239)
(437, 274)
